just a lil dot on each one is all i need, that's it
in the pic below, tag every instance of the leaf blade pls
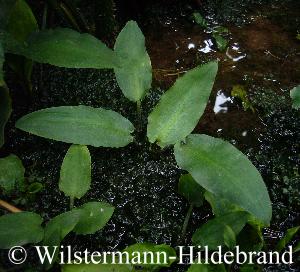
(64, 47)
(94, 216)
(295, 95)
(213, 233)
(11, 173)
(134, 73)
(180, 108)
(220, 168)
(17, 229)
(70, 123)
(75, 173)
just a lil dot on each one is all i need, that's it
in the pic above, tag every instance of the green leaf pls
(159, 262)
(134, 73)
(213, 233)
(94, 216)
(57, 229)
(17, 229)
(11, 173)
(220, 206)
(226, 172)
(82, 125)
(229, 237)
(295, 95)
(5, 111)
(75, 173)
(287, 238)
(296, 248)
(64, 47)
(207, 268)
(180, 108)
(220, 29)
(191, 190)
(1, 65)
(199, 19)
(21, 21)
(222, 43)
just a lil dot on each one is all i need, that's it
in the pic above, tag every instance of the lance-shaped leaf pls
(11, 173)
(82, 125)
(17, 229)
(215, 232)
(75, 173)
(134, 73)
(5, 111)
(93, 217)
(64, 47)
(295, 95)
(180, 108)
(226, 172)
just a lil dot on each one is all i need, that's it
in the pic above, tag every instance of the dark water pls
(141, 180)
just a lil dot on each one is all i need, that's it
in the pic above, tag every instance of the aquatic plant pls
(216, 168)
(16, 23)
(295, 96)
(21, 227)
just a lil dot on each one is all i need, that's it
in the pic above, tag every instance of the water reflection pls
(208, 46)
(221, 101)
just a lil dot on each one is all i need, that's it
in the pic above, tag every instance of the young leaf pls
(222, 43)
(21, 21)
(64, 47)
(226, 172)
(11, 173)
(134, 73)
(93, 217)
(207, 268)
(148, 247)
(75, 173)
(213, 233)
(17, 229)
(287, 238)
(5, 111)
(180, 108)
(191, 190)
(82, 125)
(199, 19)
(295, 95)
